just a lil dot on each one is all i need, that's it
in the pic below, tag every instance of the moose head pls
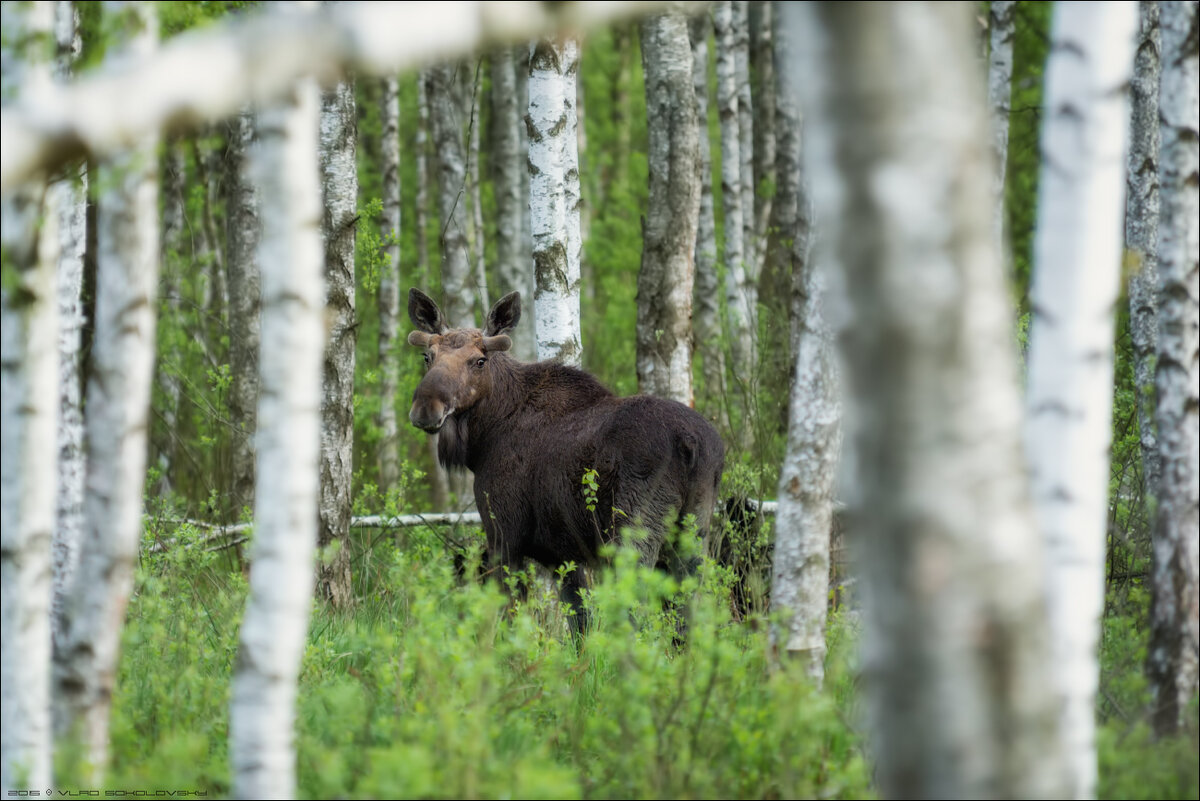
(457, 375)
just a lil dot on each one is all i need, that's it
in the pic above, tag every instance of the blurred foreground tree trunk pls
(275, 623)
(1077, 256)
(69, 196)
(28, 427)
(1175, 608)
(956, 651)
(117, 411)
(804, 521)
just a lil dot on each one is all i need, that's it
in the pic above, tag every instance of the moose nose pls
(429, 416)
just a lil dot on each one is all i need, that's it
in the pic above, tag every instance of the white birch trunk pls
(69, 196)
(1175, 606)
(452, 187)
(389, 288)
(1069, 395)
(745, 121)
(554, 199)
(28, 424)
(513, 270)
(803, 524)
(955, 652)
(174, 181)
(118, 401)
(664, 292)
(338, 140)
(737, 295)
(421, 146)
(1141, 234)
(706, 308)
(1001, 16)
(272, 637)
(762, 51)
(475, 119)
(243, 230)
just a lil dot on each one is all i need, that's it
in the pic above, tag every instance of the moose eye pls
(427, 357)
(480, 362)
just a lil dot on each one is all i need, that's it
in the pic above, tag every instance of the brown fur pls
(529, 432)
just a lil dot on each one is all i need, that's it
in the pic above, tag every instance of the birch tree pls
(450, 163)
(69, 196)
(762, 58)
(804, 521)
(664, 293)
(339, 172)
(508, 164)
(1077, 253)
(28, 424)
(737, 290)
(389, 287)
(706, 312)
(554, 198)
(475, 222)
(955, 649)
(272, 636)
(1175, 606)
(173, 182)
(1001, 15)
(243, 229)
(740, 28)
(1141, 232)
(118, 401)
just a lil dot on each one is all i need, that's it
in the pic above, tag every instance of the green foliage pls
(436, 687)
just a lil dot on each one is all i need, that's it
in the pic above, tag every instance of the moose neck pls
(466, 436)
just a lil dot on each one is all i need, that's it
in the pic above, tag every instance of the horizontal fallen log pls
(453, 519)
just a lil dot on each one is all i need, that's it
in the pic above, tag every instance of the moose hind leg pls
(573, 585)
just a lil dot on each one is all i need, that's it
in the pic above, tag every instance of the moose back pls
(530, 433)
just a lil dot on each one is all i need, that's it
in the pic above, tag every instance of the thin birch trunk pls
(956, 655)
(338, 140)
(746, 125)
(1077, 254)
(1175, 605)
(737, 290)
(174, 183)
(389, 288)
(554, 199)
(1141, 234)
(664, 292)
(508, 165)
(475, 119)
(118, 401)
(69, 196)
(28, 421)
(762, 52)
(706, 308)
(1001, 31)
(804, 522)
(272, 637)
(243, 216)
(421, 146)
(452, 190)
(439, 481)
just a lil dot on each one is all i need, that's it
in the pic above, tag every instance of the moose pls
(530, 433)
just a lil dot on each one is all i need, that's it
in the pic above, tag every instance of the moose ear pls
(424, 313)
(505, 315)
